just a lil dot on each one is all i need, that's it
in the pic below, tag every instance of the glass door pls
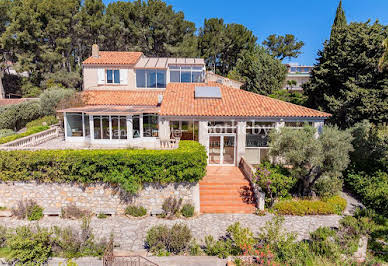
(214, 149)
(222, 149)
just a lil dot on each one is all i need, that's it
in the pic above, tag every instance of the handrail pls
(34, 139)
(249, 172)
(168, 144)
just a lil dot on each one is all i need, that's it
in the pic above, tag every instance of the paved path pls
(130, 233)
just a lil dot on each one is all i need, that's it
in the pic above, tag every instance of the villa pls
(139, 101)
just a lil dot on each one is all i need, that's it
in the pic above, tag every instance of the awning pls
(112, 110)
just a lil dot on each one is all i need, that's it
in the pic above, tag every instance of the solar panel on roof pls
(207, 92)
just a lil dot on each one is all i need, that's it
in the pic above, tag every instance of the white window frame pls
(156, 77)
(178, 67)
(113, 76)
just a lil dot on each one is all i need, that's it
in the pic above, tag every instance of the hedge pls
(128, 169)
(29, 131)
(16, 116)
(371, 189)
(333, 205)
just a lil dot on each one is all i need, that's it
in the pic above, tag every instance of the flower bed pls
(333, 205)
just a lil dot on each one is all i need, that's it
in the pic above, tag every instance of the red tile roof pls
(110, 97)
(114, 58)
(179, 100)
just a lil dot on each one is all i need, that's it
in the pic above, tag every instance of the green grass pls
(29, 131)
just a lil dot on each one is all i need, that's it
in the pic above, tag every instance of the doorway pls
(222, 149)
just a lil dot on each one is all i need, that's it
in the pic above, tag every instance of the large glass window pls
(87, 125)
(136, 126)
(150, 125)
(297, 124)
(185, 130)
(113, 76)
(186, 73)
(97, 127)
(119, 127)
(74, 125)
(219, 127)
(105, 127)
(150, 78)
(257, 133)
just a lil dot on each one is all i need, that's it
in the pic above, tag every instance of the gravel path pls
(130, 233)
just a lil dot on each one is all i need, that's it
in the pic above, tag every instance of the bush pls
(73, 212)
(126, 168)
(187, 210)
(371, 189)
(135, 211)
(29, 131)
(333, 205)
(51, 97)
(44, 121)
(175, 239)
(6, 133)
(323, 242)
(171, 206)
(28, 209)
(221, 248)
(275, 181)
(3, 235)
(16, 116)
(28, 246)
(326, 187)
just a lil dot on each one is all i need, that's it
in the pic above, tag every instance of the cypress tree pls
(339, 20)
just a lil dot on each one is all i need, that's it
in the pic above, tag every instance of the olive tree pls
(311, 157)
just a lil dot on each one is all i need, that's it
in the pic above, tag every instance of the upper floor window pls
(113, 76)
(186, 73)
(150, 78)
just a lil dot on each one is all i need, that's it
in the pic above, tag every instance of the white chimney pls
(160, 99)
(95, 51)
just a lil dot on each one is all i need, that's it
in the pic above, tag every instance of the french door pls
(222, 149)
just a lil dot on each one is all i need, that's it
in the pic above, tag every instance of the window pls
(185, 130)
(218, 127)
(257, 133)
(150, 125)
(150, 78)
(186, 73)
(297, 124)
(119, 127)
(74, 125)
(113, 76)
(136, 126)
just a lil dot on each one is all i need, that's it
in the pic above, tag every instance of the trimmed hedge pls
(29, 131)
(128, 169)
(333, 205)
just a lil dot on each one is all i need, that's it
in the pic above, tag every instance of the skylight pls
(207, 92)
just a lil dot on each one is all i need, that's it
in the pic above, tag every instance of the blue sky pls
(309, 20)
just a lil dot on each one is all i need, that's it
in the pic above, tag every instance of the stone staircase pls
(225, 189)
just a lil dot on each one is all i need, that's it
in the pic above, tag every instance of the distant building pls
(301, 74)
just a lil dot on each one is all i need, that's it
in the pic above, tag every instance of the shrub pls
(136, 211)
(175, 239)
(372, 189)
(29, 131)
(187, 210)
(126, 168)
(3, 235)
(275, 181)
(102, 216)
(16, 116)
(171, 206)
(44, 121)
(73, 212)
(328, 187)
(51, 97)
(28, 209)
(333, 205)
(28, 246)
(323, 242)
(221, 248)
(6, 133)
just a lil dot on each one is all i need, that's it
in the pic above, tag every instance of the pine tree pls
(339, 20)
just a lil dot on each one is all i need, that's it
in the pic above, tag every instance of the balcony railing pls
(32, 140)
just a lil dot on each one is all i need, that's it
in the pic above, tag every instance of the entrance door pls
(222, 150)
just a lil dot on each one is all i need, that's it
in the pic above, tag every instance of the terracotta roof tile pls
(114, 58)
(179, 101)
(110, 97)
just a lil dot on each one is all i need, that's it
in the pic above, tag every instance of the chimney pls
(160, 99)
(95, 51)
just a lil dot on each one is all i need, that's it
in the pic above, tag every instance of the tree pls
(383, 62)
(222, 44)
(312, 158)
(291, 83)
(339, 20)
(4, 21)
(282, 47)
(260, 72)
(291, 97)
(345, 82)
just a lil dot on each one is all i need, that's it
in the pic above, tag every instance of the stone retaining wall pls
(96, 197)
